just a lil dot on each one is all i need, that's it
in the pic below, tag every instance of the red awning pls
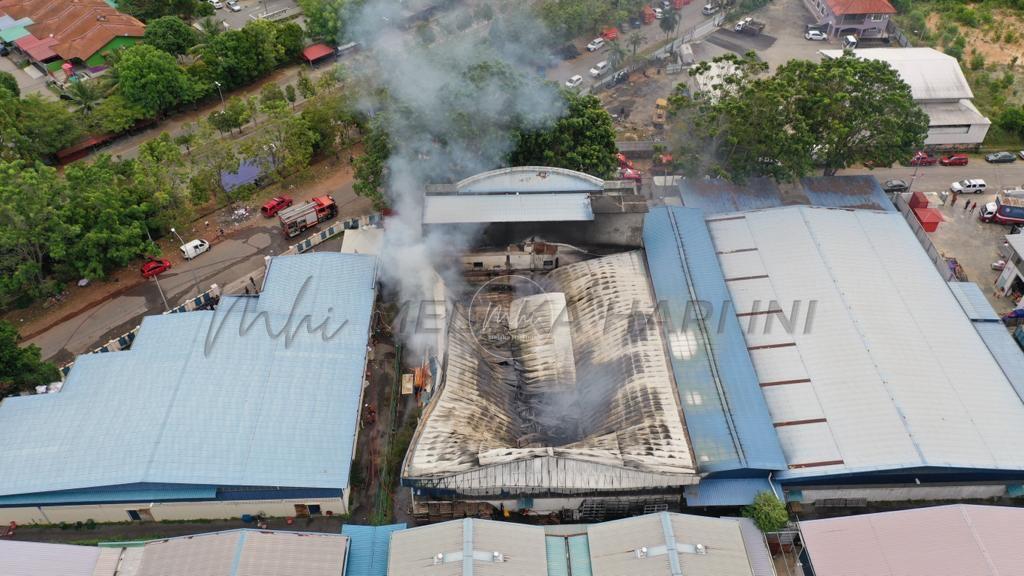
(316, 52)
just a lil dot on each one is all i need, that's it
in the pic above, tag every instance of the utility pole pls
(195, 278)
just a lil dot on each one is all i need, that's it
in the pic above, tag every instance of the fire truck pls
(1008, 208)
(296, 219)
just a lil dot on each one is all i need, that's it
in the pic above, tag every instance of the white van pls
(599, 68)
(972, 186)
(194, 248)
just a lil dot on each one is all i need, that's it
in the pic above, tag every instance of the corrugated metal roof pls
(469, 546)
(848, 191)
(728, 491)
(557, 555)
(713, 195)
(1006, 351)
(198, 402)
(961, 540)
(465, 208)
(930, 74)
(956, 113)
(1016, 242)
(568, 555)
(369, 548)
(39, 559)
(973, 301)
(875, 381)
(717, 196)
(579, 555)
(761, 562)
(114, 494)
(529, 180)
(726, 415)
(671, 546)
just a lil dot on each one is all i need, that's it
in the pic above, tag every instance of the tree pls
(289, 94)
(21, 368)
(1012, 120)
(39, 127)
(334, 120)
(290, 37)
(369, 168)
(210, 27)
(160, 179)
(10, 83)
(616, 54)
(635, 41)
(170, 34)
(151, 79)
(768, 512)
(85, 95)
(583, 140)
(669, 21)
(571, 18)
(156, 9)
(115, 115)
(234, 115)
(325, 19)
(209, 157)
(239, 57)
(272, 97)
(306, 87)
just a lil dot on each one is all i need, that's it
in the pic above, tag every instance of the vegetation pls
(325, 19)
(32, 128)
(571, 18)
(152, 80)
(369, 168)
(768, 512)
(170, 34)
(21, 368)
(583, 140)
(831, 114)
(153, 9)
(10, 84)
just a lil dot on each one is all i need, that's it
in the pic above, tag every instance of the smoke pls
(451, 108)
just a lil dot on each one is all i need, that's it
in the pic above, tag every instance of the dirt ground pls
(988, 40)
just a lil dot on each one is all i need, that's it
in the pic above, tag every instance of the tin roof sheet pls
(728, 491)
(369, 548)
(470, 208)
(36, 559)
(930, 74)
(469, 546)
(199, 400)
(973, 301)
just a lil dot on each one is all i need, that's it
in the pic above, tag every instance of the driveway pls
(27, 84)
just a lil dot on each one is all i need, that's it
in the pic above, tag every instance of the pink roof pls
(956, 540)
(841, 7)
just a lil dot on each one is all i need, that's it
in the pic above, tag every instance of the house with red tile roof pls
(860, 18)
(81, 32)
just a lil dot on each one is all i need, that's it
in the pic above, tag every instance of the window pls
(314, 509)
(877, 17)
(134, 515)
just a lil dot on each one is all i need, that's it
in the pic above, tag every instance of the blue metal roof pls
(726, 415)
(368, 549)
(854, 191)
(232, 397)
(973, 301)
(1006, 352)
(135, 493)
(713, 195)
(728, 491)
(717, 196)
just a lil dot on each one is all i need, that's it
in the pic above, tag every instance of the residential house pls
(861, 18)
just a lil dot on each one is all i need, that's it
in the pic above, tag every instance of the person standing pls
(953, 203)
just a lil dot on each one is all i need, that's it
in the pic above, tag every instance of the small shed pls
(317, 52)
(929, 218)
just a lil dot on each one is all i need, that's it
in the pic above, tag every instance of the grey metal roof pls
(617, 426)
(530, 180)
(717, 196)
(467, 547)
(973, 301)
(726, 415)
(363, 241)
(875, 381)
(1016, 242)
(930, 74)
(198, 400)
(39, 559)
(568, 555)
(469, 208)
(953, 113)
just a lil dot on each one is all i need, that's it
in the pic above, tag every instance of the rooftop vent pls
(641, 552)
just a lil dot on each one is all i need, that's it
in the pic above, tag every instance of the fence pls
(895, 33)
(335, 229)
(940, 262)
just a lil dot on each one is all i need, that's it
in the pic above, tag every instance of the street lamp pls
(155, 279)
(223, 105)
(195, 279)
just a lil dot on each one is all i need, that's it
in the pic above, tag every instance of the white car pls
(234, 6)
(595, 44)
(599, 68)
(815, 35)
(194, 248)
(574, 82)
(658, 14)
(971, 186)
(217, 4)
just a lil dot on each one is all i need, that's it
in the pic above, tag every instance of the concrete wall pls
(166, 511)
(623, 230)
(973, 137)
(903, 492)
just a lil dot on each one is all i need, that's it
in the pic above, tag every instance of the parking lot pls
(276, 9)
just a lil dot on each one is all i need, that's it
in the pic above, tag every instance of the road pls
(938, 178)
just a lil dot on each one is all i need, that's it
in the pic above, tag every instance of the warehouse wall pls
(900, 493)
(166, 510)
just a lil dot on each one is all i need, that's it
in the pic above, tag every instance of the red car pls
(630, 174)
(954, 160)
(154, 267)
(923, 159)
(275, 205)
(623, 161)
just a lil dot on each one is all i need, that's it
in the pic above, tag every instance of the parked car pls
(923, 159)
(595, 45)
(817, 35)
(1000, 157)
(568, 52)
(971, 186)
(895, 186)
(574, 82)
(1021, 154)
(666, 4)
(194, 248)
(624, 162)
(275, 205)
(599, 68)
(954, 160)
(658, 14)
(710, 9)
(635, 22)
(234, 6)
(216, 4)
(630, 174)
(618, 78)
(154, 267)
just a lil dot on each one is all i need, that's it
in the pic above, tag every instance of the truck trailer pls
(296, 219)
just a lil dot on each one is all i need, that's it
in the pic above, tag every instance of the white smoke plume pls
(451, 108)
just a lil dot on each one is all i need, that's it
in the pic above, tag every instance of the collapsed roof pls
(584, 401)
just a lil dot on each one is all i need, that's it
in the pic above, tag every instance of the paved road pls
(938, 178)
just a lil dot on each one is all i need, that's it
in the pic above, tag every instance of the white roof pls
(1017, 243)
(960, 539)
(953, 113)
(363, 241)
(494, 549)
(889, 373)
(35, 558)
(529, 179)
(930, 74)
(538, 207)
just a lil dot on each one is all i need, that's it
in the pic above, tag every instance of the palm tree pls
(635, 40)
(616, 54)
(111, 78)
(85, 95)
(210, 27)
(669, 21)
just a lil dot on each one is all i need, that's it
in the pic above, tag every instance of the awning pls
(316, 52)
(728, 491)
(463, 208)
(38, 50)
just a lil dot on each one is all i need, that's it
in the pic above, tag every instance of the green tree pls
(239, 57)
(155, 9)
(616, 54)
(291, 38)
(85, 95)
(572, 18)
(21, 368)
(115, 115)
(669, 21)
(234, 115)
(334, 120)
(635, 41)
(170, 34)
(289, 94)
(272, 97)
(40, 127)
(325, 19)
(210, 28)
(151, 79)
(10, 83)
(369, 167)
(768, 512)
(160, 180)
(1012, 120)
(583, 140)
(209, 156)
(306, 87)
